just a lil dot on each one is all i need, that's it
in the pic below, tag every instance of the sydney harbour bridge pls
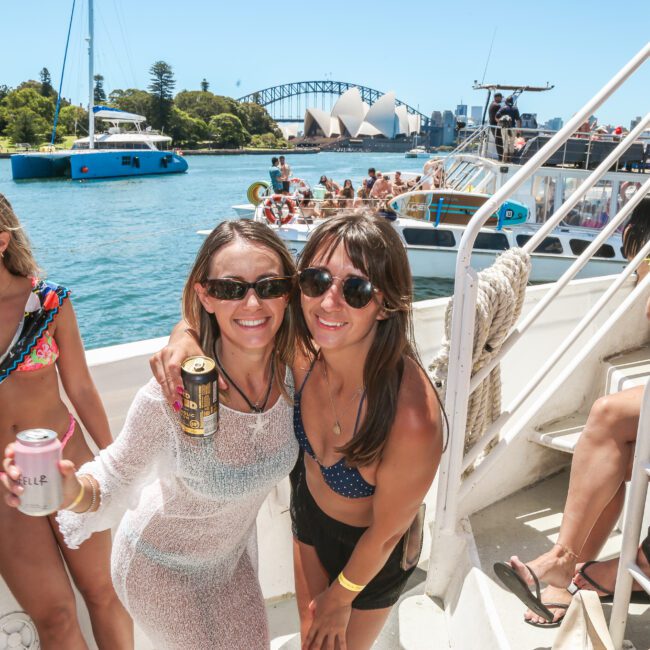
(288, 102)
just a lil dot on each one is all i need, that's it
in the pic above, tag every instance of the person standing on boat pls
(184, 553)
(276, 175)
(285, 175)
(372, 178)
(507, 134)
(38, 337)
(493, 109)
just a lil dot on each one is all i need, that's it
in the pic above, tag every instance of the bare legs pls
(311, 579)
(599, 469)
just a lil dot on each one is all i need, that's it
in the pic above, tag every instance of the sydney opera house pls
(352, 117)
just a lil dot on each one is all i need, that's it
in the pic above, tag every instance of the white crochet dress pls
(182, 557)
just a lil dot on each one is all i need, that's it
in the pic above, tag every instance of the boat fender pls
(273, 209)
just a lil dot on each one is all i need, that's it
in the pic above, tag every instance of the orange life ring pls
(273, 209)
(624, 187)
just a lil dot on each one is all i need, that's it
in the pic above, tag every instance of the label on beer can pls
(199, 413)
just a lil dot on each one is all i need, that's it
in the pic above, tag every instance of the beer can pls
(200, 410)
(37, 456)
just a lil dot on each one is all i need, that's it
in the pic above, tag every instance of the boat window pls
(550, 245)
(544, 193)
(126, 160)
(429, 237)
(492, 241)
(579, 245)
(592, 211)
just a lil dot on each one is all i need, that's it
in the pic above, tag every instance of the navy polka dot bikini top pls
(340, 477)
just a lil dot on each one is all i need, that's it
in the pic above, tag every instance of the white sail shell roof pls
(351, 116)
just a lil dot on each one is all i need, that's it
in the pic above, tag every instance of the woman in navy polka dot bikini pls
(368, 422)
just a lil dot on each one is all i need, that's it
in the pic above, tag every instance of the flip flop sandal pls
(518, 587)
(557, 623)
(638, 597)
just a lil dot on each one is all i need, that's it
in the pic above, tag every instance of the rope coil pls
(500, 297)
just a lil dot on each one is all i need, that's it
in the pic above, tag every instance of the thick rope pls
(501, 292)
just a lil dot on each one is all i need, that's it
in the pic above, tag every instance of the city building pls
(529, 120)
(555, 123)
(635, 121)
(461, 111)
(476, 113)
(352, 117)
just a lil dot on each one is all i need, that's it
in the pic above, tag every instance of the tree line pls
(192, 118)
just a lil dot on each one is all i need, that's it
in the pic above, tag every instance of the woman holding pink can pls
(38, 336)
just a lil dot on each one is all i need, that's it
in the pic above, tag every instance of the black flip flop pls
(557, 623)
(513, 582)
(638, 597)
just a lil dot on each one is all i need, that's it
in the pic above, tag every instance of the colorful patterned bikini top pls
(340, 477)
(33, 347)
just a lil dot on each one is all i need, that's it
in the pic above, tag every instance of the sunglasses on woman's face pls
(231, 289)
(357, 291)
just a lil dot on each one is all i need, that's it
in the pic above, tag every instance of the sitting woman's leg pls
(598, 473)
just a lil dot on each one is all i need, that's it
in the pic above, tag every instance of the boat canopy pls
(116, 115)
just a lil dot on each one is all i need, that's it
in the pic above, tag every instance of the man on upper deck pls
(494, 108)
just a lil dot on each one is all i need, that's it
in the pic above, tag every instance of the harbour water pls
(125, 247)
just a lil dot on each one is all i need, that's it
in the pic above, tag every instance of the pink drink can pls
(37, 455)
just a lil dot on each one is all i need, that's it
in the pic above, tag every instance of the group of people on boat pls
(319, 380)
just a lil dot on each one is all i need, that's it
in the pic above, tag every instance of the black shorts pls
(334, 542)
(285, 186)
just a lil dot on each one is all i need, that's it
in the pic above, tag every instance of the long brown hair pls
(18, 258)
(375, 249)
(204, 323)
(637, 229)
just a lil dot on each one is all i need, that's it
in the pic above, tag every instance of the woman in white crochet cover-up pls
(181, 559)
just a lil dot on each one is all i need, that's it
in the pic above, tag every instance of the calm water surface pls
(125, 247)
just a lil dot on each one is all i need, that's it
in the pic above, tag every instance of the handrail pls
(572, 271)
(460, 356)
(632, 525)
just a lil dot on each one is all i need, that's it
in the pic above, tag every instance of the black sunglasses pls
(357, 291)
(230, 289)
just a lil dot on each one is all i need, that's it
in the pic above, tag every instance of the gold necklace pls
(337, 425)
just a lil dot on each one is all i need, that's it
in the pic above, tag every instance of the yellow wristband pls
(350, 586)
(80, 496)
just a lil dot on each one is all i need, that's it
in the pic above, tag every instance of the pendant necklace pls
(336, 429)
(255, 407)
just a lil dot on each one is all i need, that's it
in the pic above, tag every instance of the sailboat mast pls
(91, 76)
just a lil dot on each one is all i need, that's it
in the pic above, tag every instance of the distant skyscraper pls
(529, 120)
(436, 118)
(555, 123)
(448, 128)
(635, 121)
(461, 110)
(477, 114)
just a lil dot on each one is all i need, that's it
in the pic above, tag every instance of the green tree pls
(72, 118)
(4, 91)
(46, 83)
(27, 97)
(99, 94)
(228, 131)
(257, 120)
(185, 129)
(161, 86)
(268, 141)
(27, 126)
(199, 103)
(205, 85)
(132, 100)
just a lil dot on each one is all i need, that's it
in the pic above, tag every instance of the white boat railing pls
(628, 568)
(460, 382)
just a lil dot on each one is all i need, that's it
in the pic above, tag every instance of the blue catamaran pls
(114, 154)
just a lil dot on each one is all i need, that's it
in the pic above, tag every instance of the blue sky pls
(428, 52)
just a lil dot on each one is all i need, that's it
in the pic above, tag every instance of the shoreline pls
(207, 152)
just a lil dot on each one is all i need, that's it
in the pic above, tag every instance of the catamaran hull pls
(92, 164)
